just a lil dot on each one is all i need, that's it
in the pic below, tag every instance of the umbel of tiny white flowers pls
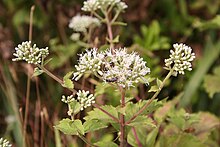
(119, 67)
(180, 59)
(82, 23)
(83, 98)
(4, 143)
(93, 5)
(31, 54)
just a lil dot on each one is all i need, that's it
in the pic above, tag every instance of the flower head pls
(30, 54)
(89, 61)
(93, 5)
(82, 23)
(127, 69)
(180, 59)
(4, 143)
(118, 67)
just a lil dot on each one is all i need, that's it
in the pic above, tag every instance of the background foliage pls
(154, 25)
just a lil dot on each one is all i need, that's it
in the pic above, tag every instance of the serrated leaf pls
(68, 83)
(132, 108)
(142, 121)
(37, 72)
(97, 114)
(93, 125)
(106, 144)
(70, 127)
(75, 106)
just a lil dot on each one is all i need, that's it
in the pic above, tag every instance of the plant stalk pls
(122, 119)
(153, 97)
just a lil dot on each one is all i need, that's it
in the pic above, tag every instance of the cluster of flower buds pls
(119, 67)
(180, 59)
(30, 54)
(84, 99)
(4, 143)
(82, 23)
(93, 5)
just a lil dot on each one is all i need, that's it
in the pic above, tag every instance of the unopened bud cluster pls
(4, 143)
(83, 98)
(30, 54)
(119, 67)
(82, 23)
(93, 5)
(180, 59)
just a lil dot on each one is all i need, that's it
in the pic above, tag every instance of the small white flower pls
(90, 5)
(126, 69)
(30, 54)
(121, 6)
(85, 99)
(75, 36)
(82, 23)
(180, 58)
(118, 67)
(4, 143)
(89, 61)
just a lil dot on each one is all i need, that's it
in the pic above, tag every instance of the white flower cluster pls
(126, 69)
(83, 98)
(93, 5)
(30, 54)
(4, 143)
(118, 67)
(82, 23)
(180, 58)
(90, 61)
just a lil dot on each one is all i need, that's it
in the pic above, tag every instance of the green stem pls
(153, 97)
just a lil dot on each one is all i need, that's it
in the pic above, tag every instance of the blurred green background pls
(152, 28)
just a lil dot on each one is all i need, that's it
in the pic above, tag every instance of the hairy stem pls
(153, 97)
(122, 120)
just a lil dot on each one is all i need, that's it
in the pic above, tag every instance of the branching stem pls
(153, 97)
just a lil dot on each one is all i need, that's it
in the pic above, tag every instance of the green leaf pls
(116, 39)
(70, 127)
(75, 106)
(142, 121)
(37, 72)
(147, 138)
(106, 144)
(131, 108)
(67, 82)
(153, 88)
(212, 82)
(159, 82)
(97, 114)
(93, 125)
